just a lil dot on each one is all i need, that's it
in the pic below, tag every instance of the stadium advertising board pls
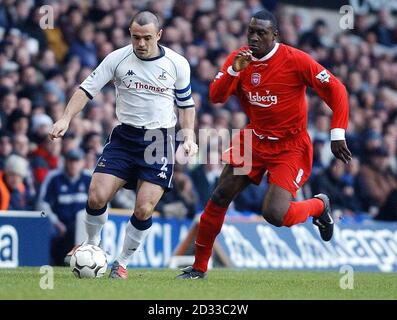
(158, 247)
(24, 239)
(365, 247)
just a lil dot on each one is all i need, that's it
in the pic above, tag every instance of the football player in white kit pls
(148, 79)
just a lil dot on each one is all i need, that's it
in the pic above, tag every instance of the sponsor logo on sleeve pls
(323, 76)
(219, 75)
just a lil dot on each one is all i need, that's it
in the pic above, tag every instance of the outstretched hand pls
(341, 151)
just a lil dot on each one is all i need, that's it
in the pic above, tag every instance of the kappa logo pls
(162, 76)
(130, 73)
(162, 175)
(256, 79)
(323, 76)
(101, 164)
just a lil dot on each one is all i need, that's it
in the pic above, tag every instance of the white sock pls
(133, 238)
(93, 226)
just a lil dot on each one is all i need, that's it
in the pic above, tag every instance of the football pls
(88, 261)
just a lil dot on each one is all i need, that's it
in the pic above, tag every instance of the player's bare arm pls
(75, 105)
(242, 60)
(186, 119)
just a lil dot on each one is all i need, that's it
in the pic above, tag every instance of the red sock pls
(298, 212)
(210, 225)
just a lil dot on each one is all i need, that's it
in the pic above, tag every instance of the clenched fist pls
(190, 147)
(59, 128)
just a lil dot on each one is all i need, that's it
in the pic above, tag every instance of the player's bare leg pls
(211, 220)
(148, 195)
(229, 186)
(276, 204)
(102, 189)
(279, 210)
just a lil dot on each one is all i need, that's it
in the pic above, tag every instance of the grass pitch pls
(159, 284)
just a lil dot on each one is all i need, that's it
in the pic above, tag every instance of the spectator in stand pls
(378, 180)
(381, 28)
(92, 142)
(70, 141)
(314, 39)
(181, 201)
(341, 192)
(62, 195)
(205, 177)
(18, 122)
(45, 156)
(318, 149)
(8, 104)
(388, 212)
(84, 47)
(13, 192)
(5, 147)
(251, 198)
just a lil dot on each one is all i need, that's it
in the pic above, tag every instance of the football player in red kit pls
(270, 81)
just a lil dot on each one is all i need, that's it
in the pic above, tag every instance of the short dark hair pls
(266, 15)
(146, 17)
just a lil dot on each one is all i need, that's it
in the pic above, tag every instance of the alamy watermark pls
(47, 18)
(347, 19)
(47, 280)
(347, 279)
(215, 146)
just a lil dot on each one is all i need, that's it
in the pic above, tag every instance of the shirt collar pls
(162, 54)
(269, 55)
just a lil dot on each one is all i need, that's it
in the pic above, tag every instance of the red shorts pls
(286, 161)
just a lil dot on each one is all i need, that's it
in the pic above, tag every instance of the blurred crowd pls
(41, 68)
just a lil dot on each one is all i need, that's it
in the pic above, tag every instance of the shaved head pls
(145, 33)
(146, 17)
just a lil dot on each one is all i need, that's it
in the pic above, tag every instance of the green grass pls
(145, 284)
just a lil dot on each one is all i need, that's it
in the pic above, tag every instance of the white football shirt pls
(146, 89)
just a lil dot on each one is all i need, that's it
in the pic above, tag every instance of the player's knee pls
(273, 214)
(143, 211)
(97, 199)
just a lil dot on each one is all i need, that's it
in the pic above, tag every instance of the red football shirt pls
(272, 90)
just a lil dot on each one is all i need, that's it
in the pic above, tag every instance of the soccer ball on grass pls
(88, 261)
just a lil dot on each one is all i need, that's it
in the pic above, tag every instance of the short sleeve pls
(99, 77)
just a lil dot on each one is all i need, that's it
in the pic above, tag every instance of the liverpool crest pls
(256, 79)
